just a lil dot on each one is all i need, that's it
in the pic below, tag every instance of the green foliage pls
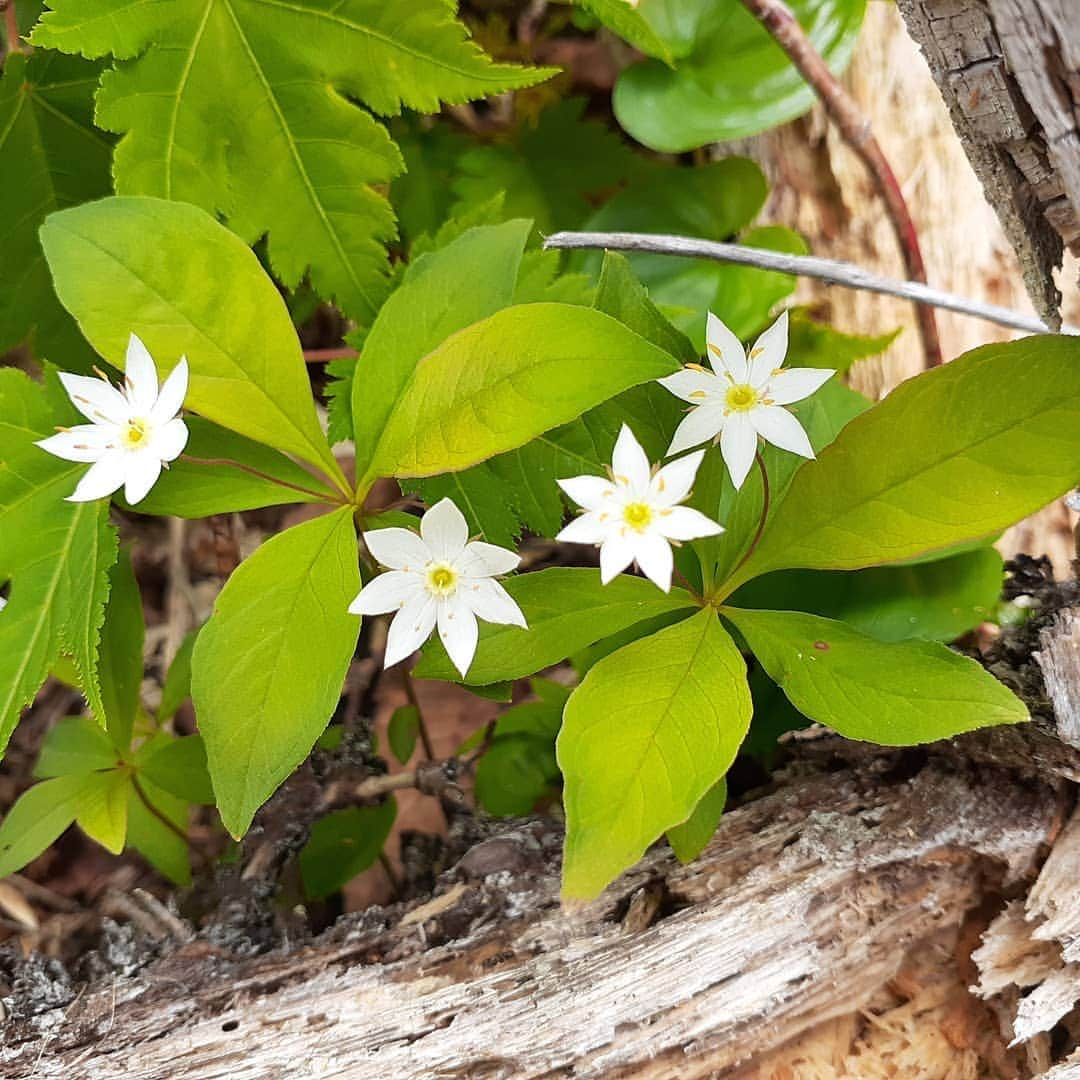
(268, 666)
(896, 694)
(646, 735)
(217, 97)
(344, 844)
(122, 652)
(688, 840)
(628, 22)
(730, 79)
(76, 744)
(402, 731)
(51, 157)
(815, 344)
(42, 814)
(567, 609)
(954, 455)
(177, 766)
(177, 687)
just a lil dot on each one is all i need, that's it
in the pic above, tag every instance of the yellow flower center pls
(441, 579)
(135, 434)
(741, 397)
(637, 515)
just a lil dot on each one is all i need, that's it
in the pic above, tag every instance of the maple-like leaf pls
(247, 108)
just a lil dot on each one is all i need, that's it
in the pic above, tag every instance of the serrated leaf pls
(344, 844)
(896, 694)
(689, 839)
(269, 665)
(645, 736)
(51, 157)
(731, 79)
(121, 653)
(952, 455)
(567, 609)
(271, 136)
(187, 286)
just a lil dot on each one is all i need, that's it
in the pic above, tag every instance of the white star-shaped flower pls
(741, 398)
(135, 429)
(634, 516)
(437, 578)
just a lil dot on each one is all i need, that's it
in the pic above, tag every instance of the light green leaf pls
(187, 286)
(102, 809)
(938, 600)
(122, 653)
(954, 454)
(501, 382)
(402, 731)
(273, 138)
(897, 694)
(688, 840)
(40, 815)
(165, 849)
(731, 79)
(51, 156)
(344, 844)
(814, 344)
(268, 666)
(566, 608)
(645, 736)
(177, 688)
(76, 745)
(622, 17)
(178, 766)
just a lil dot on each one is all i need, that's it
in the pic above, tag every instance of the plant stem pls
(679, 576)
(321, 496)
(11, 27)
(778, 19)
(169, 824)
(317, 356)
(764, 514)
(414, 701)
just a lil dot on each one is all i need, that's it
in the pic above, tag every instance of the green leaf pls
(567, 609)
(102, 811)
(551, 172)
(178, 766)
(40, 815)
(814, 344)
(272, 137)
(421, 194)
(190, 489)
(624, 19)
(51, 156)
(164, 848)
(427, 308)
(195, 290)
(56, 554)
(344, 844)
(938, 600)
(177, 688)
(954, 454)
(731, 80)
(76, 745)
(897, 694)
(402, 731)
(501, 382)
(122, 653)
(688, 840)
(645, 736)
(268, 666)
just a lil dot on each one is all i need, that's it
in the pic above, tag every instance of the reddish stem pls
(11, 27)
(317, 356)
(855, 128)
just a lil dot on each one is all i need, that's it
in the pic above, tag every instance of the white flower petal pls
(96, 399)
(780, 428)
(653, 555)
(686, 523)
(628, 461)
(587, 529)
(768, 352)
(589, 492)
(387, 592)
(699, 425)
(693, 386)
(140, 377)
(616, 554)
(673, 482)
(410, 628)
(725, 350)
(104, 477)
(794, 384)
(142, 469)
(480, 560)
(173, 391)
(459, 631)
(399, 549)
(492, 603)
(445, 530)
(87, 442)
(738, 444)
(168, 441)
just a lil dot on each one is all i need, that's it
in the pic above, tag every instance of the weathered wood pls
(806, 902)
(1009, 71)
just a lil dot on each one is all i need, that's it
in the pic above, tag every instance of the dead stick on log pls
(778, 19)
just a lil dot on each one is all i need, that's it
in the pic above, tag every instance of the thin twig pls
(11, 27)
(317, 356)
(322, 496)
(831, 271)
(414, 701)
(779, 20)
